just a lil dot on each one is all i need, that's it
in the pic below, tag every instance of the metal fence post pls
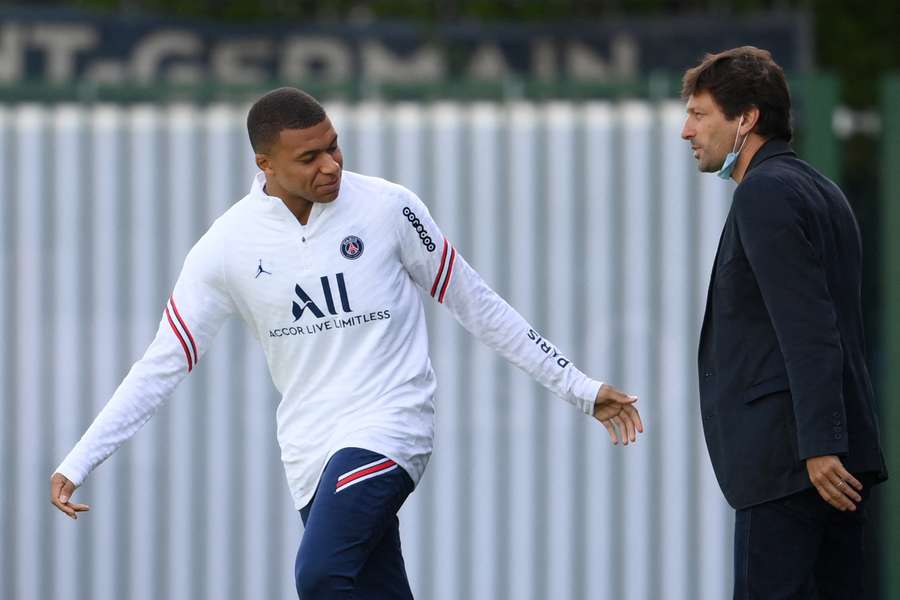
(890, 201)
(816, 97)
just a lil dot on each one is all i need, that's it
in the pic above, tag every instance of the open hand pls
(61, 490)
(616, 411)
(835, 484)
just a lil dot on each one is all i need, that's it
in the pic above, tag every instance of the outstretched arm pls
(436, 266)
(193, 315)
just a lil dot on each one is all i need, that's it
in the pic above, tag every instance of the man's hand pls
(61, 490)
(617, 413)
(835, 484)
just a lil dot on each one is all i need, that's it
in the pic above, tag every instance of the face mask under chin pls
(731, 158)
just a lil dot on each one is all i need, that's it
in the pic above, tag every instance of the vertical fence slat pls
(558, 286)
(446, 581)
(30, 360)
(106, 168)
(523, 519)
(68, 124)
(220, 402)
(601, 558)
(677, 405)
(484, 415)
(145, 307)
(636, 342)
(890, 408)
(182, 147)
(8, 398)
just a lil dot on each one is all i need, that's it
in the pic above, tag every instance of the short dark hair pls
(284, 108)
(740, 78)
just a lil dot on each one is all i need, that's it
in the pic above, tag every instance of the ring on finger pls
(841, 484)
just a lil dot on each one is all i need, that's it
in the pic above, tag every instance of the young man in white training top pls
(323, 267)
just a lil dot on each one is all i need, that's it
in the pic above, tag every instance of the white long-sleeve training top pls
(335, 306)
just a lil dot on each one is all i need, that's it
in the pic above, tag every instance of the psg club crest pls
(352, 247)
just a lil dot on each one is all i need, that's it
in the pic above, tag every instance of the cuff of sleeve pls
(832, 447)
(586, 395)
(70, 472)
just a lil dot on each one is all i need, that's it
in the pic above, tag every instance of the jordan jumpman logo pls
(260, 270)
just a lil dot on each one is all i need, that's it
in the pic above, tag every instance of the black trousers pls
(800, 548)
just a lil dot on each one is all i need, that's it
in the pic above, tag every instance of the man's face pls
(711, 135)
(305, 163)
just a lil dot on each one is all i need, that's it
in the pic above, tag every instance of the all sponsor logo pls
(330, 310)
(306, 302)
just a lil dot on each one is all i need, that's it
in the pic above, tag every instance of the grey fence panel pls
(521, 258)
(68, 125)
(6, 354)
(601, 346)
(448, 577)
(636, 341)
(590, 218)
(108, 360)
(676, 326)
(32, 293)
(182, 148)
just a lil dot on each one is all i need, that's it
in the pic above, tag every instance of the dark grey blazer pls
(782, 359)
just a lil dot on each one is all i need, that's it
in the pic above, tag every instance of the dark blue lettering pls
(307, 303)
(329, 301)
(342, 290)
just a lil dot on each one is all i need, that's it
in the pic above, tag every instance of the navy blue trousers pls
(351, 542)
(800, 548)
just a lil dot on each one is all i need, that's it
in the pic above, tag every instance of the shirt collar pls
(271, 204)
(772, 147)
(258, 187)
(276, 206)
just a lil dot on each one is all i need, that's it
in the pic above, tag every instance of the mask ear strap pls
(737, 134)
(746, 136)
(743, 142)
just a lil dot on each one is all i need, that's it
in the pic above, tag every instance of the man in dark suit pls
(786, 401)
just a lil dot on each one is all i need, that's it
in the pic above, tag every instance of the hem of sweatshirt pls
(414, 473)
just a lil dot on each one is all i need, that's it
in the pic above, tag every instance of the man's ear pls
(751, 118)
(264, 163)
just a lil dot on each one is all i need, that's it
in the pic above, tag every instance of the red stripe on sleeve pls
(187, 353)
(441, 270)
(449, 274)
(185, 327)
